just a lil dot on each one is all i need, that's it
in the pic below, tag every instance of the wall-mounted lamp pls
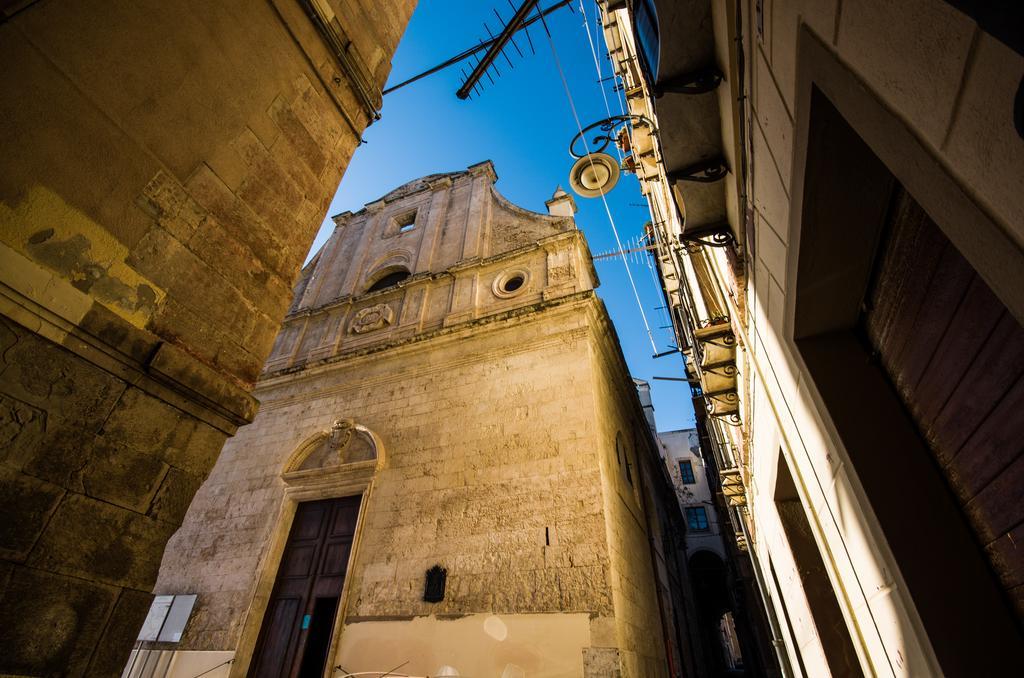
(595, 172)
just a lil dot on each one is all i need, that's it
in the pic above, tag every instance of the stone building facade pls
(837, 199)
(446, 366)
(682, 454)
(165, 167)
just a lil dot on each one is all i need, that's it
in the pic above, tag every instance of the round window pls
(510, 283)
(513, 283)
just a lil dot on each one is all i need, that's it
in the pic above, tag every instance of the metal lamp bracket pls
(703, 172)
(695, 82)
(607, 127)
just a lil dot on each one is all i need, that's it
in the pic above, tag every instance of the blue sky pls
(523, 123)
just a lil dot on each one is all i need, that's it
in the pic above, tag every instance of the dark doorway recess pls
(319, 640)
(708, 574)
(297, 627)
(891, 322)
(821, 597)
(719, 597)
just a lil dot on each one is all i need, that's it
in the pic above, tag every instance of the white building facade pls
(836, 211)
(681, 450)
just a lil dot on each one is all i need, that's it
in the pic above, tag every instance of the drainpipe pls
(741, 101)
(777, 642)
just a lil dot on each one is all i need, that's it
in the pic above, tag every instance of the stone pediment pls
(345, 443)
(513, 227)
(417, 185)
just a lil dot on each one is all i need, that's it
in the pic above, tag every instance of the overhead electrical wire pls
(600, 73)
(607, 209)
(598, 26)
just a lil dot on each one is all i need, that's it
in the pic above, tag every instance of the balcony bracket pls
(695, 82)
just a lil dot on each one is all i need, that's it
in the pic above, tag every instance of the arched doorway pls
(302, 587)
(710, 579)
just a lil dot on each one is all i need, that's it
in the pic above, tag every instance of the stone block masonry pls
(493, 470)
(494, 417)
(165, 167)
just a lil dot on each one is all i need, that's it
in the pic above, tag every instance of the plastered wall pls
(952, 84)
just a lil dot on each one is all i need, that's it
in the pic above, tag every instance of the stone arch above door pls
(344, 453)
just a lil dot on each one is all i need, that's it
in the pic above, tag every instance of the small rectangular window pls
(406, 222)
(686, 471)
(697, 518)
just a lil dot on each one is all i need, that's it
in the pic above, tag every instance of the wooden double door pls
(297, 626)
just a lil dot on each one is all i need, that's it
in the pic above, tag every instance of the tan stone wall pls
(491, 447)
(496, 419)
(479, 474)
(637, 618)
(465, 237)
(165, 168)
(89, 495)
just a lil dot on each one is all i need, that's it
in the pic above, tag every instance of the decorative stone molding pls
(141, 358)
(504, 285)
(444, 182)
(732, 487)
(485, 168)
(716, 368)
(371, 318)
(741, 542)
(345, 457)
(394, 259)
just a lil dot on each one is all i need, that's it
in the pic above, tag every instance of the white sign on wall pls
(167, 618)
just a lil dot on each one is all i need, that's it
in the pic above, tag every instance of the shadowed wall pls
(166, 166)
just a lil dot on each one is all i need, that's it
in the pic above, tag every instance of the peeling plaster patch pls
(79, 250)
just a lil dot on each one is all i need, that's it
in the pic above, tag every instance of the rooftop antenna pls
(484, 46)
(497, 47)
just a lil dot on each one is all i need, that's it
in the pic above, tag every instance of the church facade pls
(450, 473)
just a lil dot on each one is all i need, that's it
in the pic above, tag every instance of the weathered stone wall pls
(496, 425)
(91, 492)
(475, 473)
(481, 480)
(465, 237)
(165, 168)
(624, 448)
(493, 437)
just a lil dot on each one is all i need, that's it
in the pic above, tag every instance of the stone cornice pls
(495, 322)
(546, 243)
(74, 321)
(485, 168)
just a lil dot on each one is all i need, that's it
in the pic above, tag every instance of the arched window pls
(389, 280)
